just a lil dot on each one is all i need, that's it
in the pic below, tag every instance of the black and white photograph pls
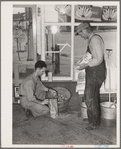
(60, 74)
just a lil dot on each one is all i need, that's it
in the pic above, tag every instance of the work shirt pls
(32, 89)
(28, 87)
(96, 46)
(96, 69)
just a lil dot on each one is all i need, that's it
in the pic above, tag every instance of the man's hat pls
(81, 27)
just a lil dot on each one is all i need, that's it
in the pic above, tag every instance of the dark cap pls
(81, 27)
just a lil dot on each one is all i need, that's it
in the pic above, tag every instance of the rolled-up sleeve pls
(29, 89)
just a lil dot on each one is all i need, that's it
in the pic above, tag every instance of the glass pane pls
(109, 35)
(80, 46)
(22, 34)
(57, 13)
(58, 50)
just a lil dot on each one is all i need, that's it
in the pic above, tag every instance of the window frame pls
(72, 24)
(72, 43)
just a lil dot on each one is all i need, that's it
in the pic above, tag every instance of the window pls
(57, 39)
(61, 49)
(58, 50)
(47, 32)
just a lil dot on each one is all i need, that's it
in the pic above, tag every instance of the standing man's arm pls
(96, 48)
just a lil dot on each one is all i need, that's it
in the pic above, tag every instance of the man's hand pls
(79, 62)
(83, 62)
(53, 92)
(82, 66)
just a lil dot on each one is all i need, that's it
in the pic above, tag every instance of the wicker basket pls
(62, 105)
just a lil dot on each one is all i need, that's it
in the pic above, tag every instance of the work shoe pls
(62, 116)
(85, 120)
(28, 113)
(91, 127)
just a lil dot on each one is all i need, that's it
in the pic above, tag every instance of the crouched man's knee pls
(42, 111)
(46, 110)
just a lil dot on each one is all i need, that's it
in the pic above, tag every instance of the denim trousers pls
(94, 80)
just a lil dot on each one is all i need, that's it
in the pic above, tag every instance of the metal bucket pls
(83, 110)
(108, 110)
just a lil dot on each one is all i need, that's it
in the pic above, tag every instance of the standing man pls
(34, 94)
(95, 73)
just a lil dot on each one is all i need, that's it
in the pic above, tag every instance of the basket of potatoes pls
(64, 96)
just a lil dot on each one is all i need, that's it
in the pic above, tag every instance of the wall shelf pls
(76, 24)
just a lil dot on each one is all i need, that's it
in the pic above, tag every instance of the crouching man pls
(35, 97)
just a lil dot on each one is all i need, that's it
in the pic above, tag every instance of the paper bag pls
(53, 105)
